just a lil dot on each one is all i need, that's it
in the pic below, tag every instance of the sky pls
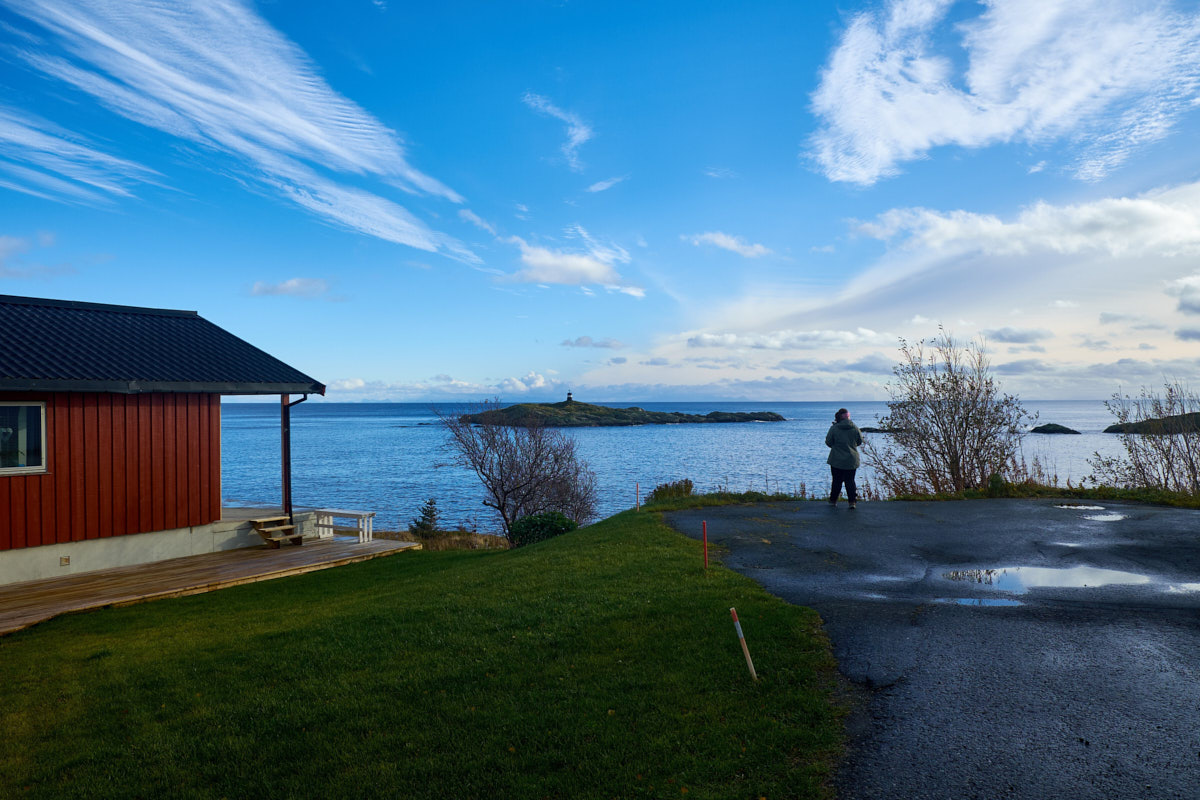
(685, 201)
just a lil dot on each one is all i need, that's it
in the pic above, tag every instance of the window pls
(22, 438)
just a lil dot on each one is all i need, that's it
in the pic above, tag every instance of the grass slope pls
(599, 664)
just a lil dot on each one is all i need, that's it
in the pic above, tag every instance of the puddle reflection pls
(1019, 579)
(978, 601)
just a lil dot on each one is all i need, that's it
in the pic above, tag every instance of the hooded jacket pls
(843, 440)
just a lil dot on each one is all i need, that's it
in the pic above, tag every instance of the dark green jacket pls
(843, 440)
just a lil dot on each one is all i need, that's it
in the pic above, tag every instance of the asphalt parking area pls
(999, 648)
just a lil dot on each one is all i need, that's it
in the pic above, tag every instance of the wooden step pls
(273, 534)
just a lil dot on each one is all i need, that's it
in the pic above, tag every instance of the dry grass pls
(448, 540)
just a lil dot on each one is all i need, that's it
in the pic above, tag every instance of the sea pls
(392, 457)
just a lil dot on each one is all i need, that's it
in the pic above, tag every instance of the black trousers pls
(841, 476)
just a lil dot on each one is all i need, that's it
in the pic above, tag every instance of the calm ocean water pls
(390, 457)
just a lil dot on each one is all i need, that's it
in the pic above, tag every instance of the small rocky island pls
(1180, 423)
(1053, 427)
(572, 414)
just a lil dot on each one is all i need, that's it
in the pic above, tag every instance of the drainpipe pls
(285, 435)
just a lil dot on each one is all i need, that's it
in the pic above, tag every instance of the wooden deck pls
(25, 604)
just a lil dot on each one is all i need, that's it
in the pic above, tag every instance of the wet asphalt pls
(995, 648)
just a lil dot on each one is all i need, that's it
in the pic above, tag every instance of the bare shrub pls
(950, 427)
(526, 469)
(1167, 455)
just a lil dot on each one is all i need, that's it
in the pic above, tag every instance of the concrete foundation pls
(57, 560)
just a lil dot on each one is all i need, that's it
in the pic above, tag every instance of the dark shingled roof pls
(64, 346)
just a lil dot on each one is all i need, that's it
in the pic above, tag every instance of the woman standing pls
(843, 440)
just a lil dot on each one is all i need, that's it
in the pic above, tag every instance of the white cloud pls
(720, 172)
(293, 287)
(543, 265)
(476, 220)
(1064, 304)
(347, 384)
(734, 244)
(587, 341)
(527, 383)
(792, 340)
(1161, 222)
(217, 74)
(595, 266)
(42, 160)
(1110, 75)
(578, 131)
(600, 186)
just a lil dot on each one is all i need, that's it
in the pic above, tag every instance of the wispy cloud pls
(1102, 74)
(734, 244)
(215, 73)
(12, 258)
(587, 341)
(476, 220)
(720, 172)
(792, 340)
(578, 131)
(293, 287)
(600, 186)
(40, 159)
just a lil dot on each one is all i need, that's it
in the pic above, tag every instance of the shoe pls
(832, 502)
(852, 506)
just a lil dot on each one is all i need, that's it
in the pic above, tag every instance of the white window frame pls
(44, 466)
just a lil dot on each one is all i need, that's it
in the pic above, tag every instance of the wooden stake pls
(745, 650)
(637, 497)
(705, 528)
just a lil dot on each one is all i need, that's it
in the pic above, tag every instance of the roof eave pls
(158, 387)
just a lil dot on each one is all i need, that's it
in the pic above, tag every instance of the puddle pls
(978, 601)
(1078, 508)
(1110, 517)
(1020, 579)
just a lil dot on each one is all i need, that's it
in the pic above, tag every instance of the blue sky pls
(637, 201)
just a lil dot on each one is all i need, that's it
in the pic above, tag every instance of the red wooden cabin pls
(110, 427)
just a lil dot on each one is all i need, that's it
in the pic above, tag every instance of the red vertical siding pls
(58, 429)
(104, 407)
(76, 451)
(203, 480)
(33, 510)
(214, 452)
(117, 464)
(145, 467)
(6, 507)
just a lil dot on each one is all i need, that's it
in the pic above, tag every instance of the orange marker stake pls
(704, 526)
(745, 650)
(637, 497)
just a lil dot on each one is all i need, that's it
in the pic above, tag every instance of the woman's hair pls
(841, 414)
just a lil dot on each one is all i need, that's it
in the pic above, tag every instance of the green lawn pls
(599, 664)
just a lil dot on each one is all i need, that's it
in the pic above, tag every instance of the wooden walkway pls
(25, 604)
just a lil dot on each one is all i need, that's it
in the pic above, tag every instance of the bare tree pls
(1161, 436)
(526, 469)
(950, 428)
